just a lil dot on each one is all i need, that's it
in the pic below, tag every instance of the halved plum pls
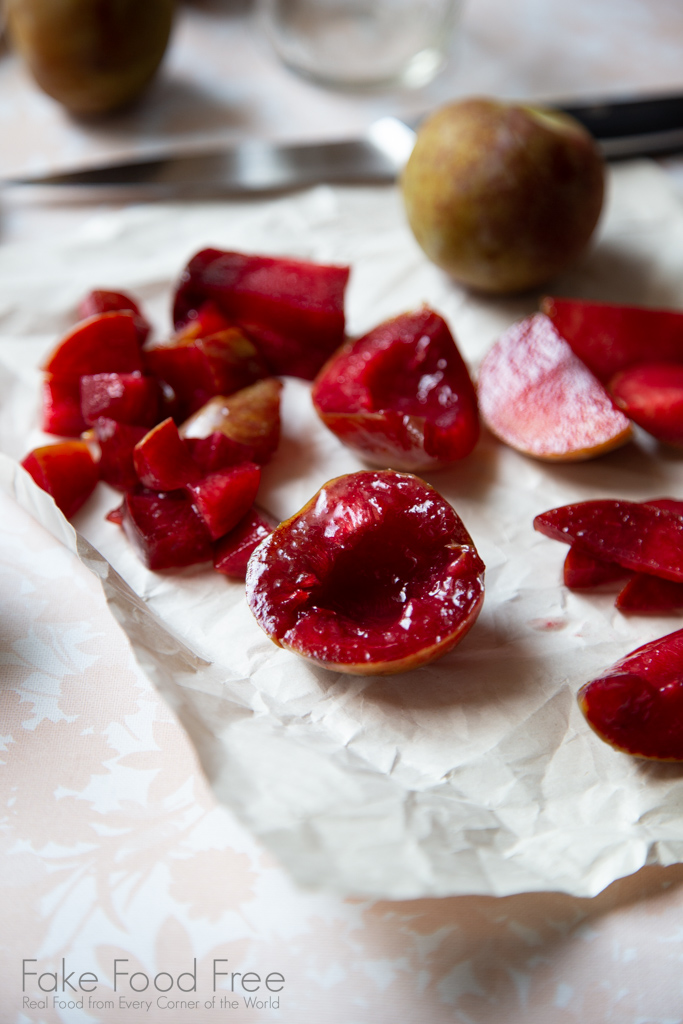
(249, 419)
(102, 301)
(67, 471)
(375, 575)
(644, 538)
(651, 394)
(637, 706)
(608, 337)
(401, 395)
(293, 309)
(538, 397)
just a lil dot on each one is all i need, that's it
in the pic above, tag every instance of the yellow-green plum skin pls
(502, 197)
(93, 56)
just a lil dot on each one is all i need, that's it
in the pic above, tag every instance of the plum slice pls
(651, 395)
(645, 594)
(293, 309)
(232, 552)
(67, 471)
(608, 337)
(165, 529)
(401, 395)
(637, 706)
(538, 397)
(249, 419)
(583, 571)
(102, 301)
(375, 575)
(645, 538)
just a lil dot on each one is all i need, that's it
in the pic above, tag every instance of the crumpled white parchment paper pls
(476, 774)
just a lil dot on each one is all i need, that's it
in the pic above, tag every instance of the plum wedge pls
(637, 706)
(293, 309)
(644, 538)
(608, 337)
(401, 395)
(375, 575)
(538, 397)
(651, 394)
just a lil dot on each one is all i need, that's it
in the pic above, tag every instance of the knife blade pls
(623, 128)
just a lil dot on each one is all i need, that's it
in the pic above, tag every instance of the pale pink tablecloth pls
(113, 848)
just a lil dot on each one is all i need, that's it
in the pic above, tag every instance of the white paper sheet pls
(476, 774)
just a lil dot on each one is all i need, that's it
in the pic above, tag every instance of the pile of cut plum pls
(183, 426)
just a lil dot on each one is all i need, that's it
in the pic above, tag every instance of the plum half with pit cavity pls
(375, 575)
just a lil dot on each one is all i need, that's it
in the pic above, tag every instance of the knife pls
(622, 128)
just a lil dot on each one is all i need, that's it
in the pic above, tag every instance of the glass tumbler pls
(362, 44)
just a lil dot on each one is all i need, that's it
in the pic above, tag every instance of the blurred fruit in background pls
(93, 56)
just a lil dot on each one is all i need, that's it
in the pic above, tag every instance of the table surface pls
(113, 845)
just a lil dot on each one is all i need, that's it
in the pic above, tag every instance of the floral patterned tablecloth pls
(116, 859)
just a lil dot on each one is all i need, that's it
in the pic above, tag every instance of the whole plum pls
(502, 197)
(93, 56)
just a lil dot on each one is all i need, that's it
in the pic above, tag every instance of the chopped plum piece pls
(639, 537)
(196, 368)
(204, 321)
(401, 395)
(161, 459)
(652, 396)
(115, 516)
(582, 571)
(67, 471)
(375, 575)
(608, 337)
(233, 551)
(117, 441)
(61, 407)
(293, 309)
(124, 397)
(223, 498)
(165, 529)
(637, 706)
(538, 397)
(216, 452)
(250, 419)
(645, 594)
(105, 343)
(101, 301)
